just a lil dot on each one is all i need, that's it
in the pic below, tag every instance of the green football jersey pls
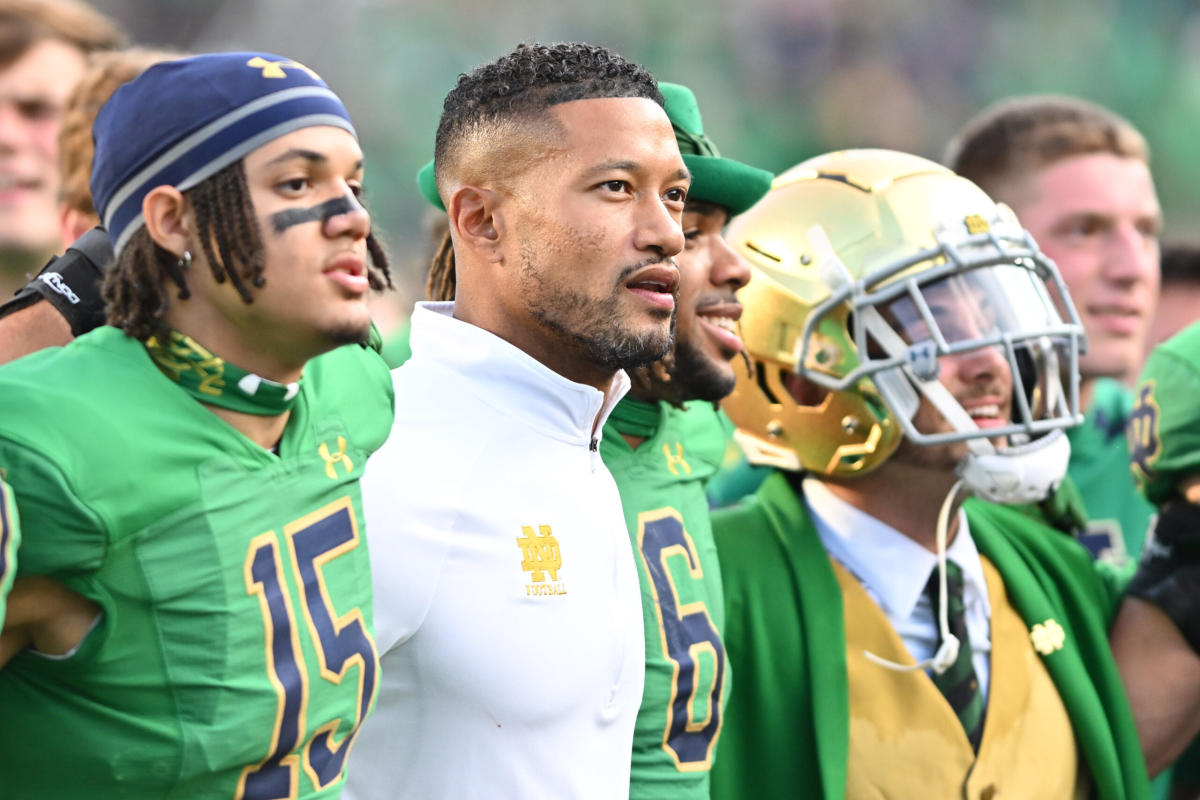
(1118, 514)
(234, 657)
(1164, 447)
(1164, 429)
(10, 540)
(662, 486)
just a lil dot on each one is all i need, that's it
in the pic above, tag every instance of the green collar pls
(634, 417)
(213, 380)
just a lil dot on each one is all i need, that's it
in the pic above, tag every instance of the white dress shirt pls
(894, 571)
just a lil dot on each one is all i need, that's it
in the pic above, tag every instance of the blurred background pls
(778, 80)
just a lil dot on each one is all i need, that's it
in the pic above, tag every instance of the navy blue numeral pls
(342, 643)
(276, 777)
(687, 631)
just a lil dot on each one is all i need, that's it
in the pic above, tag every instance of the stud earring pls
(185, 260)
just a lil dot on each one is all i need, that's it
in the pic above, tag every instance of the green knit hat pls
(723, 181)
(1164, 427)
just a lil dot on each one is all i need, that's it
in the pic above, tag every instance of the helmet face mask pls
(889, 273)
(951, 311)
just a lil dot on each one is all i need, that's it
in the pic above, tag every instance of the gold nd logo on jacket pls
(496, 562)
(540, 556)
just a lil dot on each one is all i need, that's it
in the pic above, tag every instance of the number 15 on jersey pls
(342, 643)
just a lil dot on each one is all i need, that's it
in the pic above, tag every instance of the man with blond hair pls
(1078, 177)
(43, 51)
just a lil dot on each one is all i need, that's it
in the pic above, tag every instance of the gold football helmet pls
(869, 266)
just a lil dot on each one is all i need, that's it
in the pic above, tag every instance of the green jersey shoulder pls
(662, 485)
(234, 654)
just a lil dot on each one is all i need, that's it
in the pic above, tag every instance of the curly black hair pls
(523, 85)
(531, 79)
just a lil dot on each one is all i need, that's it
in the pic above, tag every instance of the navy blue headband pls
(183, 121)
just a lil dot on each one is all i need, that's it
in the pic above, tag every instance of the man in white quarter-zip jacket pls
(507, 606)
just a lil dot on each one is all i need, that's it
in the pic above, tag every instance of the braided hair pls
(441, 282)
(135, 288)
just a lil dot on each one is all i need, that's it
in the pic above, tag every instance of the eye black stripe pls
(282, 220)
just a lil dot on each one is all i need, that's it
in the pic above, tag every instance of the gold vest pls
(906, 741)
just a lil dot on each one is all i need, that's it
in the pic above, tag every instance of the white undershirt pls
(894, 570)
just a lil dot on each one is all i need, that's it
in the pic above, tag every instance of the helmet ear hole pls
(802, 390)
(871, 267)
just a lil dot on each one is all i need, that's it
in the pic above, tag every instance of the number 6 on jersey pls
(689, 640)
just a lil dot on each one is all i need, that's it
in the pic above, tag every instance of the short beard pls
(594, 325)
(600, 338)
(697, 377)
(682, 376)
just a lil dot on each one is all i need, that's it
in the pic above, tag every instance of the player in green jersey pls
(662, 443)
(1164, 448)
(190, 474)
(888, 637)
(1078, 177)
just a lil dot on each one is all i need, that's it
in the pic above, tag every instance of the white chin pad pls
(1025, 473)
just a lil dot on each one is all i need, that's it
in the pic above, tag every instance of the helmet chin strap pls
(947, 652)
(1017, 474)
(1025, 473)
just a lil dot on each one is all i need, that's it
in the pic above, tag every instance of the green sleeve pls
(61, 533)
(396, 348)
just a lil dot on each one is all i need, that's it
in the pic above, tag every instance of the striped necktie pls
(959, 683)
